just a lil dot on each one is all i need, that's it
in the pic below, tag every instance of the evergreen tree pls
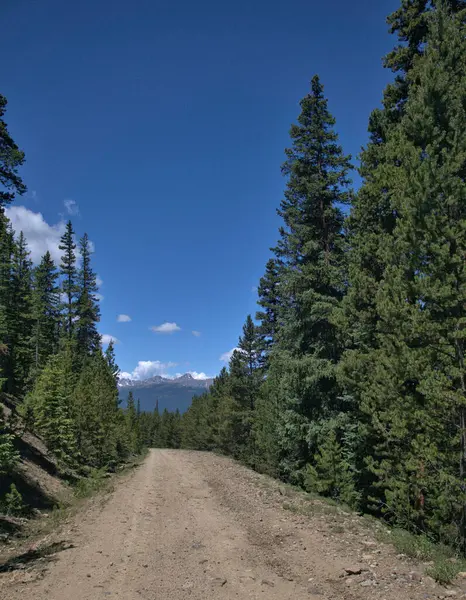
(87, 307)
(9, 456)
(97, 415)
(312, 280)
(51, 404)
(46, 312)
(20, 320)
(7, 246)
(269, 300)
(11, 157)
(412, 388)
(69, 280)
(111, 361)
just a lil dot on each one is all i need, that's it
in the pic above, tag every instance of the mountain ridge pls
(164, 392)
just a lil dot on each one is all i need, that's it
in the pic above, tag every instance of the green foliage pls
(8, 454)
(96, 412)
(51, 403)
(69, 275)
(46, 312)
(87, 306)
(330, 474)
(92, 483)
(13, 502)
(11, 157)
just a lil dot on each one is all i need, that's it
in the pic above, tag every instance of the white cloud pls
(99, 281)
(227, 355)
(196, 333)
(107, 338)
(123, 319)
(197, 375)
(71, 207)
(166, 328)
(148, 368)
(39, 234)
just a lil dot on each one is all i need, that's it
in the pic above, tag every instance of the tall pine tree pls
(311, 256)
(46, 312)
(87, 307)
(69, 280)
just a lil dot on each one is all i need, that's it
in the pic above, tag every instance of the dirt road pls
(197, 526)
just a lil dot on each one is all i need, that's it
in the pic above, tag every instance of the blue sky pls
(160, 128)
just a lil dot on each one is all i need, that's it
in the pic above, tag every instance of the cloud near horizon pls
(196, 333)
(148, 368)
(123, 319)
(195, 375)
(165, 328)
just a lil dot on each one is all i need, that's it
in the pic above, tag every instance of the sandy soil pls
(198, 526)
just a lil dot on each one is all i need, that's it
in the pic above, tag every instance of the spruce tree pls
(412, 386)
(51, 404)
(249, 354)
(374, 213)
(9, 456)
(311, 255)
(20, 320)
(111, 361)
(69, 280)
(7, 245)
(87, 307)
(46, 312)
(97, 414)
(11, 158)
(268, 317)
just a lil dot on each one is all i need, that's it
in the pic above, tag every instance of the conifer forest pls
(350, 380)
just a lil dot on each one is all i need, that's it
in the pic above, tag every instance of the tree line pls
(52, 365)
(351, 380)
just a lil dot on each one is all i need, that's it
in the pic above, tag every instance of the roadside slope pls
(194, 525)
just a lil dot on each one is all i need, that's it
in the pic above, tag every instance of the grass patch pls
(96, 481)
(446, 564)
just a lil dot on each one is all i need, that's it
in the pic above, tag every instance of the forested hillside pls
(53, 371)
(351, 382)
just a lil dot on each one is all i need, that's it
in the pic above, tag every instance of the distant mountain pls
(171, 393)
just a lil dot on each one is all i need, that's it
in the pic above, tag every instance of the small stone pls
(203, 561)
(367, 557)
(145, 565)
(415, 576)
(450, 593)
(462, 575)
(88, 575)
(354, 570)
(369, 544)
(349, 581)
(219, 581)
(367, 583)
(267, 582)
